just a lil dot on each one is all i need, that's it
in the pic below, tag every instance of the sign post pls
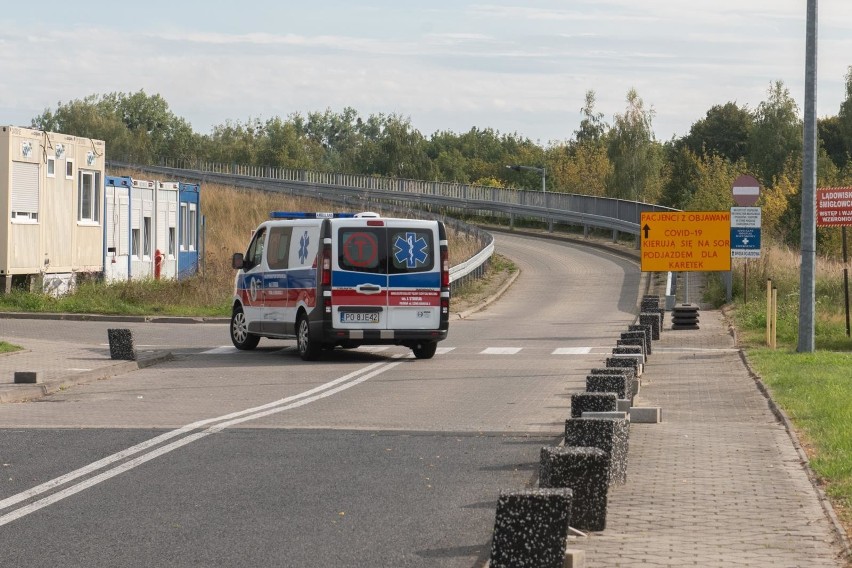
(745, 241)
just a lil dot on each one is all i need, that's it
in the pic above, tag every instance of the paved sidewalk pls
(719, 482)
(61, 365)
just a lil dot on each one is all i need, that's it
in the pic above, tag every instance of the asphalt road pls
(364, 458)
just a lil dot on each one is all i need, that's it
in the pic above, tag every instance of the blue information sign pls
(745, 242)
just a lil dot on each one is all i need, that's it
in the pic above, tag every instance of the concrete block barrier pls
(618, 385)
(531, 528)
(654, 320)
(634, 350)
(640, 336)
(27, 377)
(593, 402)
(121, 344)
(646, 329)
(632, 380)
(585, 471)
(608, 434)
(625, 361)
(649, 301)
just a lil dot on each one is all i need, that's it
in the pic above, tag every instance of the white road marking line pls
(443, 350)
(572, 351)
(225, 349)
(373, 348)
(301, 399)
(500, 351)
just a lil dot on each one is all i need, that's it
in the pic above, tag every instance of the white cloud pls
(454, 65)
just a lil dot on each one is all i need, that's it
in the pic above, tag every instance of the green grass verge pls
(190, 297)
(8, 347)
(813, 389)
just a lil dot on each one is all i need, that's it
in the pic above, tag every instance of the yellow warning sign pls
(686, 241)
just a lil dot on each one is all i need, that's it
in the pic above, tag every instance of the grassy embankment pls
(814, 389)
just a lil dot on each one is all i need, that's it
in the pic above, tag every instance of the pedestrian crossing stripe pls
(228, 350)
(572, 351)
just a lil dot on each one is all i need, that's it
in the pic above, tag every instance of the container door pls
(359, 279)
(414, 275)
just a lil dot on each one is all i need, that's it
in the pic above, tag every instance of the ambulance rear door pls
(359, 280)
(414, 274)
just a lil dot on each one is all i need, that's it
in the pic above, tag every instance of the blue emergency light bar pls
(303, 215)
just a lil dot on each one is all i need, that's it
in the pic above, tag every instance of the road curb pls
(491, 299)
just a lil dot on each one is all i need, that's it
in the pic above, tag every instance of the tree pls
(135, 127)
(844, 117)
(635, 156)
(831, 140)
(777, 133)
(592, 126)
(713, 184)
(283, 145)
(724, 131)
(402, 150)
(684, 167)
(580, 168)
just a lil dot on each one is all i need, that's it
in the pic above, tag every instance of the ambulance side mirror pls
(237, 260)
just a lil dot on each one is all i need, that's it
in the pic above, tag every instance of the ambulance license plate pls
(358, 317)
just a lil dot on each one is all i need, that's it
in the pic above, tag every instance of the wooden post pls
(768, 312)
(774, 317)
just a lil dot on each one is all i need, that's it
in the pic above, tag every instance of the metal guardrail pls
(405, 195)
(552, 207)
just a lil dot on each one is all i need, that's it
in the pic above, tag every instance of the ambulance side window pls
(254, 255)
(277, 253)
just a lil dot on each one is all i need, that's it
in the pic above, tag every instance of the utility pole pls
(807, 297)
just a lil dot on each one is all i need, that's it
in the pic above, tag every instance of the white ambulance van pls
(336, 279)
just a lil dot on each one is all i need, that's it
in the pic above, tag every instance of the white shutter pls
(24, 187)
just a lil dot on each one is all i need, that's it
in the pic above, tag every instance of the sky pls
(515, 67)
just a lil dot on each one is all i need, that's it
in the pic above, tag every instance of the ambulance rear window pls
(363, 249)
(411, 250)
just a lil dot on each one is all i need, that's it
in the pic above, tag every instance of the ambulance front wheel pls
(240, 336)
(309, 349)
(425, 349)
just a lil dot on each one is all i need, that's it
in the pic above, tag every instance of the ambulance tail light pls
(445, 268)
(325, 266)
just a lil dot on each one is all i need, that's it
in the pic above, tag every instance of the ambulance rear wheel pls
(309, 349)
(240, 336)
(425, 350)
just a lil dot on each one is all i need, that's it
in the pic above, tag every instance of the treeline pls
(620, 159)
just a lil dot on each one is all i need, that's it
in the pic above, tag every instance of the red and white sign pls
(834, 206)
(746, 191)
